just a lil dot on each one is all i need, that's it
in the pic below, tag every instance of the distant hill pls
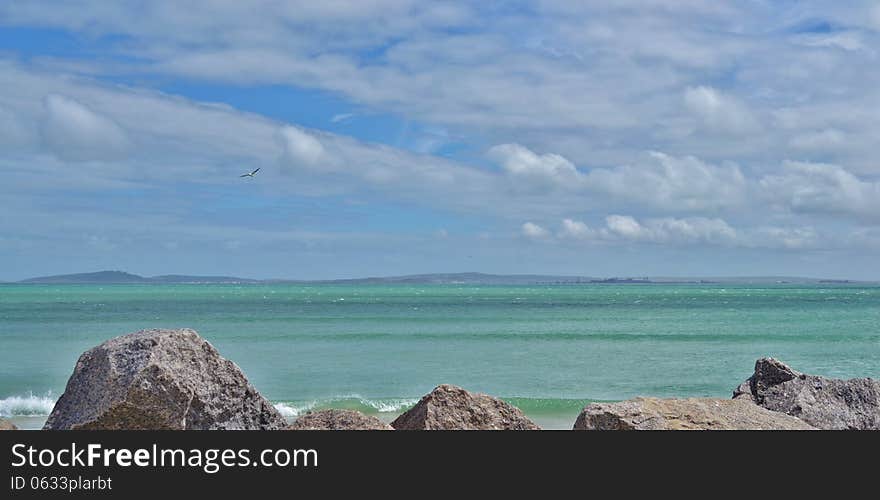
(541, 279)
(462, 279)
(89, 278)
(179, 278)
(120, 277)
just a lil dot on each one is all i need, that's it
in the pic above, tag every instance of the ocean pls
(377, 348)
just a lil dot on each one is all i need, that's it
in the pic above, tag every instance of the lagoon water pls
(377, 348)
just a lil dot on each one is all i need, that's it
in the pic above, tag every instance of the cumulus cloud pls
(665, 182)
(534, 231)
(673, 183)
(665, 230)
(822, 189)
(538, 169)
(719, 112)
(688, 231)
(576, 230)
(300, 147)
(671, 230)
(75, 132)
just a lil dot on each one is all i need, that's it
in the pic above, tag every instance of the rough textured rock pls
(452, 408)
(160, 379)
(822, 402)
(743, 391)
(6, 425)
(339, 420)
(648, 414)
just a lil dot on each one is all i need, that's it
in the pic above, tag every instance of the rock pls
(452, 408)
(649, 414)
(339, 420)
(6, 425)
(744, 391)
(822, 402)
(160, 379)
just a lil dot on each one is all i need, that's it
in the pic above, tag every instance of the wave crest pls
(29, 405)
(293, 409)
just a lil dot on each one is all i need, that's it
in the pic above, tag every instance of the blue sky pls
(688, 138)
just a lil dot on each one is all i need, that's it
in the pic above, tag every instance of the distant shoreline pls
(470, 278)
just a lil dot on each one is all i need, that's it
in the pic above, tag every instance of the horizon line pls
(429, 274)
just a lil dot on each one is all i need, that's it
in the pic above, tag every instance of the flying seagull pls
(250, 174)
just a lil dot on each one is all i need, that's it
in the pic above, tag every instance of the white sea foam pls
(389, 405)
(293, 409)
(29, 405)
(32, 405)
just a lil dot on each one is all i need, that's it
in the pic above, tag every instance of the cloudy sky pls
(625, 138)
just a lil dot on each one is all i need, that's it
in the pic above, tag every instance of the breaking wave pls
(293, 409)
(29, 405)
(32, 405)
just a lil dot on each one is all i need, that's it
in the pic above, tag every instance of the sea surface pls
(377, 348)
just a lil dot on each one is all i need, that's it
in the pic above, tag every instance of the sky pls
(626, 138)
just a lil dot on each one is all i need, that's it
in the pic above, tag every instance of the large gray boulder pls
(452, 408)
(160, 379)
(649, 414)
(338, 420)
(6, 425)
(822, 402)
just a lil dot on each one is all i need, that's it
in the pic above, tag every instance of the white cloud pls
(665, 230)
(822, 189)
(689, 231)
(300, 147)
(534, 231)
(74, 132)
(576, 230)
(341, 117)
(543, 170)
(665, 182)
(670, 230)
(845, 41)
(673, 183)
(625, 226)
(718, 111)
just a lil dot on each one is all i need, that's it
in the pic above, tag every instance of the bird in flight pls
(250, 174)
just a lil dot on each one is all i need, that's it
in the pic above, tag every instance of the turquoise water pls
(547, 349)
